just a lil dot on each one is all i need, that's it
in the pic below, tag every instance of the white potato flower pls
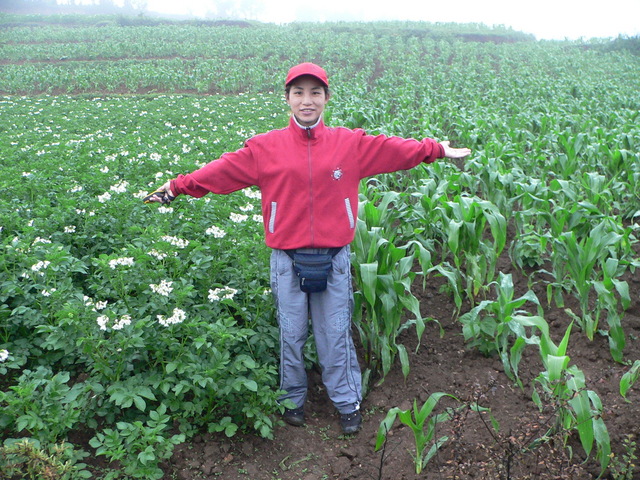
(216, 232)
(124, 261)
(41, 265)
(226, 293)
(102, 321)
(164, 288)
(178, 317)
(175, 241)
(238, 218)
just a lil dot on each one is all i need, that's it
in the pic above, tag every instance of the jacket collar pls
(312, 132)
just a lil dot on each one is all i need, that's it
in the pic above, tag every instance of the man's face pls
(307, 99)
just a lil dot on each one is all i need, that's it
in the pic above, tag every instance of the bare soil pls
(518, 450)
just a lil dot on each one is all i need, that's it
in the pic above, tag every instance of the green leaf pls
(118, 397)
(453, 237)
(171, 366)
(629, 378)
(369, 273)
(385, 427)
(96, 441)
(230, 430)
(562, 348)
(147, 455)
(622, 288)
(145, 392)
(603, 441)
(434, 449)
(581, 406)
(251, 385)
(404, 359)
(140, 403)
(556, 365)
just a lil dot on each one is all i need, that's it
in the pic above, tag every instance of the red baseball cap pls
(307, 69)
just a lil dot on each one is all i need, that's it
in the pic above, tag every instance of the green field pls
(148, 325)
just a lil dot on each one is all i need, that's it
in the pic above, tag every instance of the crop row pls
(234, 59)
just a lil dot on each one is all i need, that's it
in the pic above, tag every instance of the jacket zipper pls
(308, 129)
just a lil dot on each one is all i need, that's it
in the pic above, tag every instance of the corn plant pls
(598, 192)
(465, 219)
(422, 217)
(426, 227)
(380, 209)
(529, 247)
(423, 424)
(497, 180)
(491, 327)
(384, 273)
(567, 211)
(572, 147)
(612, 294)
(455, 283)
(578, 409)
(580, 257)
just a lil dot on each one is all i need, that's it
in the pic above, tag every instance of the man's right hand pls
(163, 195)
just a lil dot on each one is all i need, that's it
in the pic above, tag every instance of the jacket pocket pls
(347, 204)
(272, 217)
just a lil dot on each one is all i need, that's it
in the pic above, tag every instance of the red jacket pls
(309, 178)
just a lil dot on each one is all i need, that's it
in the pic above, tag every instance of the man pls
(309, 176)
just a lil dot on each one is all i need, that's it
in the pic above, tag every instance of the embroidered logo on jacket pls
(337, 174)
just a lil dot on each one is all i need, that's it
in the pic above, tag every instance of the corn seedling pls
(579, 409)
(490, 326)
(423, 423)
(629, 378)
(581, 256)
(464, 220)
(612, 294)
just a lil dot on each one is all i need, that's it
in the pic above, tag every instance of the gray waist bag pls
(312, 269)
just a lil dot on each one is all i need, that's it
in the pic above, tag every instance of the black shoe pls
(294, 416)
(350, 422)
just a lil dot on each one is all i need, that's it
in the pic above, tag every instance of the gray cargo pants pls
(330, 312)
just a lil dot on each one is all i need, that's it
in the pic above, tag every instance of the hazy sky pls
(546, 19)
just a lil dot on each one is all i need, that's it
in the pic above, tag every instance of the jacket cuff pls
(174, 188)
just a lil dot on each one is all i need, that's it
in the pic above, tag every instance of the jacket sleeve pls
(382, 154)
(232, 171)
